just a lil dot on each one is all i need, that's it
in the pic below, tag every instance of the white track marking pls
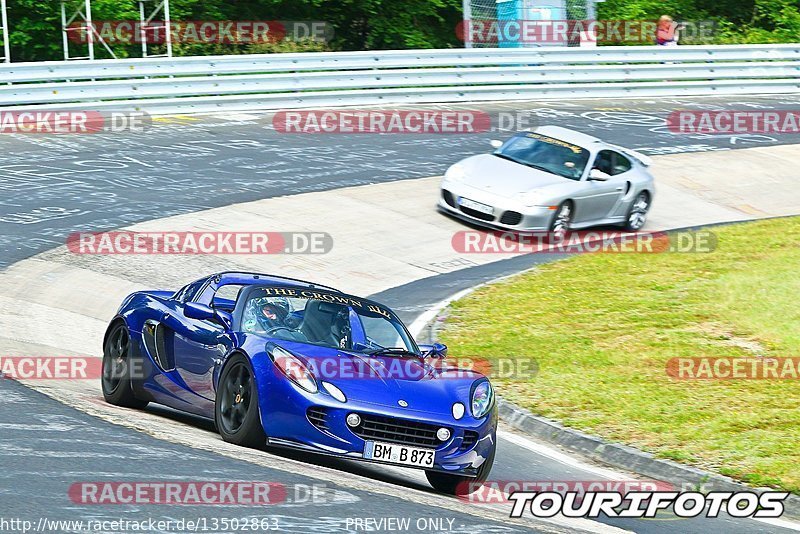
(430, 314)
(782, 523)
(573, 524)
(558, 456)
(575, 463)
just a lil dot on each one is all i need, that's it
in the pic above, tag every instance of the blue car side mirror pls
(437, 350)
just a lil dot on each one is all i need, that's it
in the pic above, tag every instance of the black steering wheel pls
(276, 328)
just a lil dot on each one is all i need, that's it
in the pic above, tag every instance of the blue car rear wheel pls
(116, 378)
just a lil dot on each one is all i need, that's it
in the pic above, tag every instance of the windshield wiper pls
(509, 158)
(531, 165)
(386, 351)
(539, 168)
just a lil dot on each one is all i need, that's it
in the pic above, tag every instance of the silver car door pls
(598, 198)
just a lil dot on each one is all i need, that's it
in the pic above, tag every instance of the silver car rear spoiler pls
(638, 156)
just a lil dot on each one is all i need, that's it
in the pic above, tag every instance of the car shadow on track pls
(375, 472)
(470, 225)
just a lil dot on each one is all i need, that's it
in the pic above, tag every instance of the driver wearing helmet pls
(264, 315)
(271, 316)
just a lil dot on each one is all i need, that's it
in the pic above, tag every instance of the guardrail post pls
(91, 32)
(145, 22)
(165, 5)
(6, 58)
(591, 9)
(89, 27)
(465, 23)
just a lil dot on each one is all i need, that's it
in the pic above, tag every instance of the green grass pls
(603, 326)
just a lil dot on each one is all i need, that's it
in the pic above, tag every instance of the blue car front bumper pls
(316, 422)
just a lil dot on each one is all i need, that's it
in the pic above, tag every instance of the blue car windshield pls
(546, 154)
(323, 318)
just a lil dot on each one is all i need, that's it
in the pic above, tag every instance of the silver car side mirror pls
(598, 175)
(495, 143)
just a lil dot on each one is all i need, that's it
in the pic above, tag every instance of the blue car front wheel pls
(236, 406)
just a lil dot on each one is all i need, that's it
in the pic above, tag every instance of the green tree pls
(380, 24)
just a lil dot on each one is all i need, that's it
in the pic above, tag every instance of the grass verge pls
(602, 328)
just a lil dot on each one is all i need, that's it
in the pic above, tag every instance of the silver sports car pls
(550, 180)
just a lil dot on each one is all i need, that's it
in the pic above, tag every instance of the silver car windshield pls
(546, 154)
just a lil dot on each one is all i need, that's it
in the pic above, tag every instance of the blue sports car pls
(289, 363)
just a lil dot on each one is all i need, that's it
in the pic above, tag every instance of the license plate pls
(393, 453)
(477, 206)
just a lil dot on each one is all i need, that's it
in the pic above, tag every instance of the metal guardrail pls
(206, 83)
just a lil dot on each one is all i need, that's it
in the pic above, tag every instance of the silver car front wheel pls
(637, 215)
(561, 222)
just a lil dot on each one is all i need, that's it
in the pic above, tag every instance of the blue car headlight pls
(482, 399)
(291, 366)
(335, 392)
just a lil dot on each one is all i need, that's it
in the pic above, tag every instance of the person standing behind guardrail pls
(666, 31)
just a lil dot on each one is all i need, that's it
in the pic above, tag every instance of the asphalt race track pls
(57, 446)
(53, 186)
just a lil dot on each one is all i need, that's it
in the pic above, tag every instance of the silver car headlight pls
(535, 197)
(482, 399)
(455, 173)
